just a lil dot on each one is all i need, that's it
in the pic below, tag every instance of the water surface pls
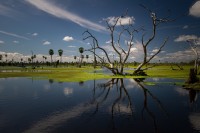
(115, 105)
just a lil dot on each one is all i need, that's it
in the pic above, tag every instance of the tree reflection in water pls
(193, 95)
(194, 116)
(122, 96)
(145, 107)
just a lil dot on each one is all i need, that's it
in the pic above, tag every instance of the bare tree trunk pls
(193, 45)
(195, 66)
(192, 77)
(155, 22)
(94, 63)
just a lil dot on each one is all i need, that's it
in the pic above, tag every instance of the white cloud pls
(108, 42)
(137, 48)
(1, 42)
(128, 42)
(185, 26)
(72, 46)
(108, 48)
(136, 51)
(8, 12)
(35, 34)
(183, 38)
(46, 43)
(58, 12)
(111, 54)
(179, 56)
(121, 21)
(195, 9)
(15, 41)
(155, 50)
(12, 56)
(13, 35)
(68, 38)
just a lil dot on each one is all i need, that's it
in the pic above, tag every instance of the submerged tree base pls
(195, 86)
(192, 77)
(140, 73)
(193, 81)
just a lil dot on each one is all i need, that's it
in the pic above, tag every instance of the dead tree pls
(116, 44)
(155, 23)
(194, 46)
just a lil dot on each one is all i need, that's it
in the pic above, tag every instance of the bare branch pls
(97, 44)
(91, 50)
(158, 50)
(150, 11)
(146, 68)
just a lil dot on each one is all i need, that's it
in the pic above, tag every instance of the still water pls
(98, 106)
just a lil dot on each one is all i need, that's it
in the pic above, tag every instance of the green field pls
(74, 74)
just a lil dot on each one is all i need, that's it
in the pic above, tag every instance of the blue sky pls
(40, 25)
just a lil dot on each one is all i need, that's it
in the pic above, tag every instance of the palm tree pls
(75, 58)
(87, 56)
(1, 57)
(60, 52)
(29, 60)
(82, 56)
(6, 57)
(32, 57)
(43, 58)
(51, 52)
(81, 50)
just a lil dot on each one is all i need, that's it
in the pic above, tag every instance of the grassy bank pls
(166, 71)
(74, 74)
(58, 74)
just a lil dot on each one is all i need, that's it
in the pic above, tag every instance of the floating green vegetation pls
(150, 83)
(172, 83)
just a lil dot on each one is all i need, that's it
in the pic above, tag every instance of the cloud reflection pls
(68, 91)
(194, 119)
(47, 87)
(1, 88)
(123, 109)
(182, 91)
(50, 123)
(132, 84)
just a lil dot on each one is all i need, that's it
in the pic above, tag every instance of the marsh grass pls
(166, 71)
(74, 74)
(59, 74)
